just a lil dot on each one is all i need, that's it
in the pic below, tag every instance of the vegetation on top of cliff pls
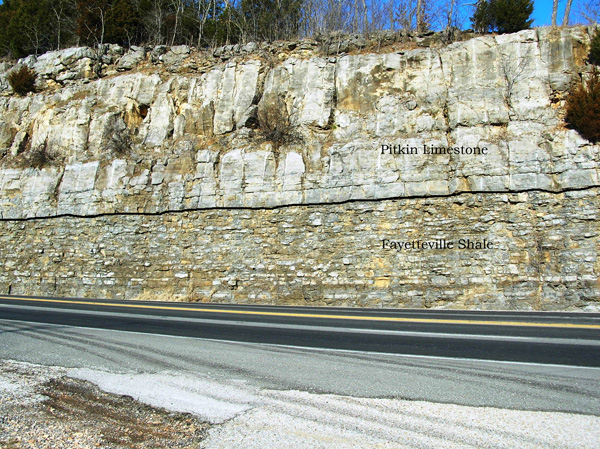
(583, 101)
(504, 16)
(594, 56)
(38, 26)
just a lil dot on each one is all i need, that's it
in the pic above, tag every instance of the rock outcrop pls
(310, 133)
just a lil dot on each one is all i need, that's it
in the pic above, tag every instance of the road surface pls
(525, 361)
(546, 338)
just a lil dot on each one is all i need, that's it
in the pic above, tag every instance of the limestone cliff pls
(290, 174)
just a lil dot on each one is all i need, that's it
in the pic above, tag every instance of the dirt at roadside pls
(49, 410)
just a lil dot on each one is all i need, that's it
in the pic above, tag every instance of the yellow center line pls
(311, 315)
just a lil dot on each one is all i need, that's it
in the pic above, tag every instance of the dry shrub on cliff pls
(40, 157)
(116, 136)
(281, 133)
(22, 80)
(583, 108)
(274, 124)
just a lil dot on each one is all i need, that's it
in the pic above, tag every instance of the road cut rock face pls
(414, 178)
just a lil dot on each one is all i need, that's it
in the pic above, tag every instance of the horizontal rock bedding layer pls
(540, 253)
(431, 177)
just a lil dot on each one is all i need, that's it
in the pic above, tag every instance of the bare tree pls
(178, 7)
(406, 14)
(554, 12)
(512, 70)
(57, 11)
(97, 34)
(390, 9)
(378, 15)
(589, 10)
(567, 13)
(102, 15)
(202, 12)
(421, 24)
(154, 20)
(446, 16)
(450, 16)
(365, 16)
(337, 16)
(416, 14)
(35, 36)
(62, 13)
(236, 21)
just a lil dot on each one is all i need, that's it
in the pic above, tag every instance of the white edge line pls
(308, 348)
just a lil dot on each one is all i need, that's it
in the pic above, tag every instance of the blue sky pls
(542, 12)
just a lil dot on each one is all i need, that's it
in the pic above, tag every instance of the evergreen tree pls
(7, 12)
(123, 23)
(583, 108)
(594, 56)
(513, 15)
(483, 18)
(504, 16)
(28, 27)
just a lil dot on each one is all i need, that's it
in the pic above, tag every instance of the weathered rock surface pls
(131, 59)
(305, 131)
(544, 254)
(61, 66)
(258, 133)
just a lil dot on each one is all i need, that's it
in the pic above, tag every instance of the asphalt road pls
(544, 338)
(132, 358)
(298, 349)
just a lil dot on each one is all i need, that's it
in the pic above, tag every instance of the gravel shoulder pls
(48, 407)
(41, 407)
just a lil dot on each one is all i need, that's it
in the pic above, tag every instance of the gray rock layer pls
(302, 132)
(274, 186)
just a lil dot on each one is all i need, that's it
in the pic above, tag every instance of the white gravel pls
(17, 387)
(253, 418)
(303, 420)
(248, 417)
(40, 408)
(212, 401)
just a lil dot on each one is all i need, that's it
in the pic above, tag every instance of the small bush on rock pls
(40, 157)
(22, 81)
(274, 124)
(583, 108)
(116, 136)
